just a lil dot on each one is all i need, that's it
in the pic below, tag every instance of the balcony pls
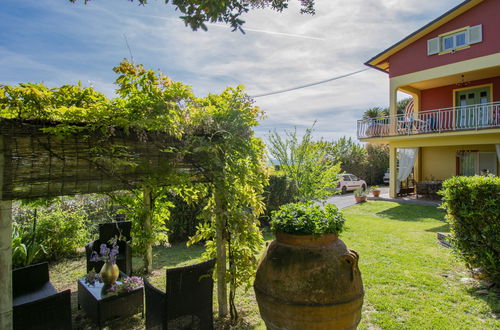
(471, 117)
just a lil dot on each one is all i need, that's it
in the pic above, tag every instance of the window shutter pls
(433, 46)
(475, 34)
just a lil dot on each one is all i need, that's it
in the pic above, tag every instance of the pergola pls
(35, 163)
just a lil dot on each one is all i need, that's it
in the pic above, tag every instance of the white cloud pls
(60, 42)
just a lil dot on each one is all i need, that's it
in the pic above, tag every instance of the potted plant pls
(360, 195)
(307, 278)
(375, 191)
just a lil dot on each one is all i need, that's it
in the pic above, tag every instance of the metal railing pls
(471, 117)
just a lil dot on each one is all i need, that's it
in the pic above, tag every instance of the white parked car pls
(350, 182)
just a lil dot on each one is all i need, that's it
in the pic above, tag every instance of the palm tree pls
(374, 113)
(377, 112)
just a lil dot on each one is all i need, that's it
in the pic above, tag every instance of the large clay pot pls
(306, 282)
(360, 199)
(109, 273)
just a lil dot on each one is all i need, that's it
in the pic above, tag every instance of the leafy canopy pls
(214, 133)
(305, 162)
(195, 13)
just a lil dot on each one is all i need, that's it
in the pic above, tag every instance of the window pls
(476, 163)
(454, 41)
(451, 41)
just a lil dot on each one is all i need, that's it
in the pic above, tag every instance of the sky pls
(57, 42)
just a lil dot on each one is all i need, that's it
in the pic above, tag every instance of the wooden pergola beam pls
(39, 164)
(5, 249)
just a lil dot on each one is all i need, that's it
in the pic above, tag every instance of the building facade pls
(451, 68)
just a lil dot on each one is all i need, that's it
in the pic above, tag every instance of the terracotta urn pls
(376, 193)
(307, 282)
(109, 273)
(360, 199)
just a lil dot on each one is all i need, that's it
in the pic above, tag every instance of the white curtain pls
(406, 157)
(497, 146)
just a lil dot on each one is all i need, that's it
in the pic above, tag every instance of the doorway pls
(472, 108)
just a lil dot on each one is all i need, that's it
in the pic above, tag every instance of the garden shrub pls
(63, 225)
(62, 231)
(183, 219)
(25, 247)
(280, 191)
(306, 218)
(473, 211)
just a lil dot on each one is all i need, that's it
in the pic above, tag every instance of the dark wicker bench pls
(187, 303)
(36, 303)
(108, 231)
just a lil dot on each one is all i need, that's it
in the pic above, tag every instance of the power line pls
(309, 85)
(128, 46)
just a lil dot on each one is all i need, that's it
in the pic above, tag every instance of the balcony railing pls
(471, 117)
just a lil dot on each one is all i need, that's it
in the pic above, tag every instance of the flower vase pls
(109, 273)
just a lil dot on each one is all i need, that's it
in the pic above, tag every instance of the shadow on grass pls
(82, 322)
(178, 254)
(492, 298)
(444, 229)
(414, 213)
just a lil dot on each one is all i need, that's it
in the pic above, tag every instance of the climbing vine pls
(236, 174)
(213, 135)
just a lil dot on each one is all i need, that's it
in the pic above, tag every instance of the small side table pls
(102, 307)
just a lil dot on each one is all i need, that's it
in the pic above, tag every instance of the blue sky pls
(57, 42)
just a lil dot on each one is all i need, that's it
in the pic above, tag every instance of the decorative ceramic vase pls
(309, 283)
(109, 273)
(376, 193)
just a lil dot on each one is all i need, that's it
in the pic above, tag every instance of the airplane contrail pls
(293, 35)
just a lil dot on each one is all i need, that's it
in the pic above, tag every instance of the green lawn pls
(411, 282)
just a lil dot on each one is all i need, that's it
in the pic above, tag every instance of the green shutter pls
(475, 34)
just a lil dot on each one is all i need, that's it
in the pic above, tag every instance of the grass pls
(411, 282)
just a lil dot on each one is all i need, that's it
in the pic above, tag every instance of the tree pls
(236, 173)
(402, 105)
(350, 155)
(377, 158)
(306, 163)
(368, 162)
(196, 13)
(377, 112)
(374, 113)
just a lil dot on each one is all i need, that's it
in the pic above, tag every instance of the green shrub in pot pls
(360, 192)
(306, 218)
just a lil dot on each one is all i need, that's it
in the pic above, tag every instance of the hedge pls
(473, 211)
(279, 191)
